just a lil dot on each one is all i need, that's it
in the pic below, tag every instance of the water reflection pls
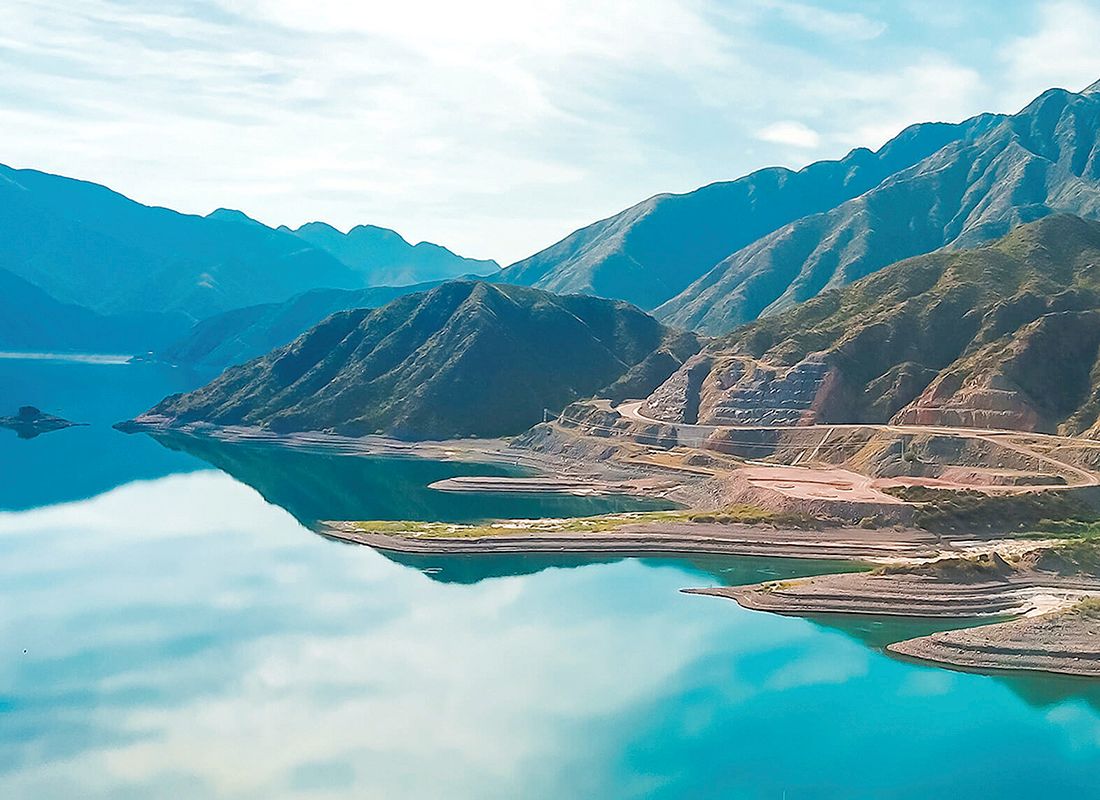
(703, 570)
(186, 638)
(317, 486)
(1040, 690)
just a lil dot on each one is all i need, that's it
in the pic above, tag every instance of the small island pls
(30, 422)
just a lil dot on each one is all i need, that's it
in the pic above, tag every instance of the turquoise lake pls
(171, 628)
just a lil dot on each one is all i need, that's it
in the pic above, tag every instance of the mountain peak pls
(232, 215)
(1092, 88)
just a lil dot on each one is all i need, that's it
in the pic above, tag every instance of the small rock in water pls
(29, 422)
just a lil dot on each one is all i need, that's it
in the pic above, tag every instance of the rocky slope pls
(466, 358)
(1002, 336)
(384, 258)
(995, 175)
(652, 251)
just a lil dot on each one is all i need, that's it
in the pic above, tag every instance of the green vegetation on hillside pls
(1051, 513)
(1004, 336)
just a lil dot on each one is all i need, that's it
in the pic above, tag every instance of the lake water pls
(170, 628)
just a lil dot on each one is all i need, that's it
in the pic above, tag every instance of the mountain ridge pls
(385, 258)
(624, 256)
(1040, 161)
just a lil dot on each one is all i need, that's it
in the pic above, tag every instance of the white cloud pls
(1062, 51)
(794, 134)
(839, 24)
(491, 127)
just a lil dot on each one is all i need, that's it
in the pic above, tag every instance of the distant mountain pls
(242, 334)
(32, 320)
(384, 258)
(651, 252)
(464, 359)
(999, 174)
(1005, 336)
(87, 245)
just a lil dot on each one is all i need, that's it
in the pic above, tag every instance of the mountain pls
(1002, 336)
(651, 252)
(464, 359)
(30, 319)
(84, 244)
(242, 334)
(384, 258)
(999, 174)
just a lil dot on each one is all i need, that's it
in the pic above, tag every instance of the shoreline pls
(553, 473)
(766, 540)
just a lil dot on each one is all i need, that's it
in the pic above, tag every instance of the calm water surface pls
(170, 628)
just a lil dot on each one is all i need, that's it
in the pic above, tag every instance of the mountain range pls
(947, 278)
(463, 359)
(146, 273)
(384, 258)
(713, 259)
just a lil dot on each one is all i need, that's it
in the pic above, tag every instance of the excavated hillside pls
(1004, 336)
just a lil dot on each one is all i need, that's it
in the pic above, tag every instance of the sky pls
(496, 127)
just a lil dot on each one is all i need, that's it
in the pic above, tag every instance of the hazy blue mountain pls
(1001, 173)
(384, 258)
(464, 359)
(31, 320)
(650, 252)
(240, 335)
(85, 244)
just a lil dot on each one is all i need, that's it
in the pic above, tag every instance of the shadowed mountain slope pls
(466, 358)
(31, 320)
(1004, 336)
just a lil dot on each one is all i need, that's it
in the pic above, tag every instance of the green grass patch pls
(603, 523)
(1050, 513)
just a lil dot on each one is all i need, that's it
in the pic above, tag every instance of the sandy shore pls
(912, 596)
(1054, 634)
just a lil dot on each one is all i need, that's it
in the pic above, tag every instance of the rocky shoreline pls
(1066, 642)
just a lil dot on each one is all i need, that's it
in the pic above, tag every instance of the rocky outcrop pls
(30, 422)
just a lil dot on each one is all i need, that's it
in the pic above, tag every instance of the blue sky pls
(495, 127)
